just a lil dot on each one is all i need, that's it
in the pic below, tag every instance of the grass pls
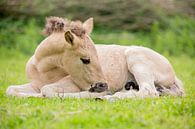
(31, 113)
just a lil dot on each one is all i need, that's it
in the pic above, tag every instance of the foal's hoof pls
(110, 98)
(113, 99)
(11, 91)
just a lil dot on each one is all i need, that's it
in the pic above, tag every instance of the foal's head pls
(80, 56)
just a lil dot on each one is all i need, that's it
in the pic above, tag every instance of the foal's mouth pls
(99, 87)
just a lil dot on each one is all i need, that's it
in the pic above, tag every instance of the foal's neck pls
(53, 44)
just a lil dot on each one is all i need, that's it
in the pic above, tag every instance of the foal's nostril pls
(99, 87)
(102, 85)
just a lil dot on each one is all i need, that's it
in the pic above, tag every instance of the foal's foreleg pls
(83, 94)
(25, 90)
(66, 88)
(65, 85)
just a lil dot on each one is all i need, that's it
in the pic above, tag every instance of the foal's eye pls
(85, 61)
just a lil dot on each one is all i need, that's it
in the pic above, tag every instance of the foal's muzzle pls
(99, 87)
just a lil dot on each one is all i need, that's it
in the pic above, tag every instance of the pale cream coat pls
(56, 69)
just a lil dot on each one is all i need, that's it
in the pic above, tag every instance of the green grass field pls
(37, 113)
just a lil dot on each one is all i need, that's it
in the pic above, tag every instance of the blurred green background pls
(167, 26)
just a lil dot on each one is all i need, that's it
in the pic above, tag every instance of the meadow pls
(18, 40)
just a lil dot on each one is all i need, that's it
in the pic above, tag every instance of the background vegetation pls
(167, 26)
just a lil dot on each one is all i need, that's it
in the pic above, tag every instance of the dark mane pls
(58, 24)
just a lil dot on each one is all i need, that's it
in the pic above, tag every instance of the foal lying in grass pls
(68, 63)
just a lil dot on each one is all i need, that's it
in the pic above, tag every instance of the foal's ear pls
(88, 25)
(69, 37)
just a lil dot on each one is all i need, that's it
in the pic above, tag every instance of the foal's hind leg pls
(144, 79)
(139, 65)
(25, 90)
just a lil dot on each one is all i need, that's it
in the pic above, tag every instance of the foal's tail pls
(175, 90)
(179, 85)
